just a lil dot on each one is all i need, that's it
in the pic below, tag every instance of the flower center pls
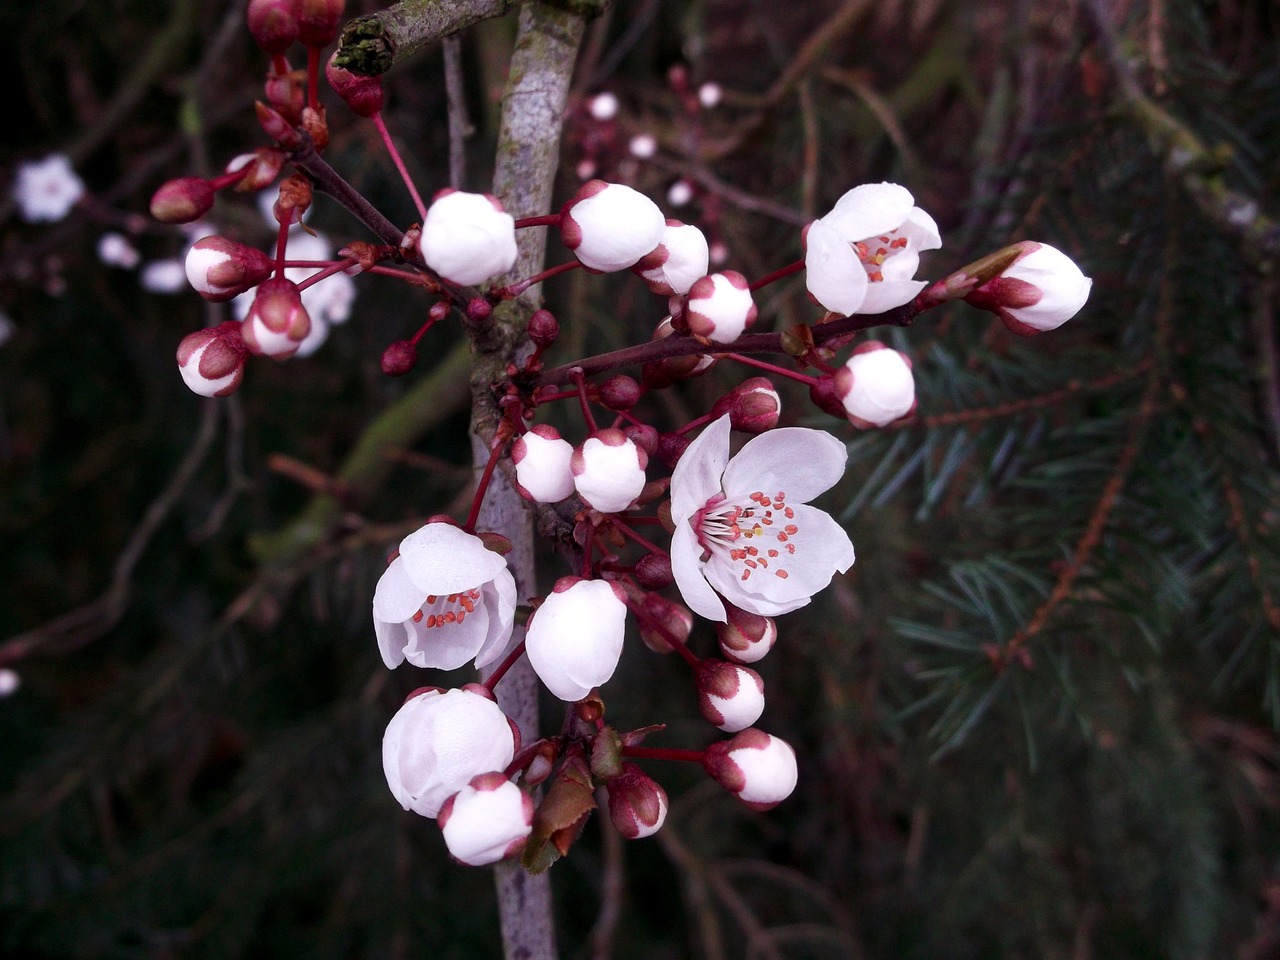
(441, 611)
(752, 534)
(874, 252)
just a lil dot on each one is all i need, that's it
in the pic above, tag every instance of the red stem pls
(778, 274)
(501, 669)
(664, 753)
(772, 368)
(313, 77)
(334, 267)
(282, 241)
(511, 291)
(694, 424)
(631, 534)
(586, 405)
(395, 158)
(482, 487)
(546, 220)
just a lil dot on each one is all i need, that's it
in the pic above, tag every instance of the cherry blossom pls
(720, 307)
(543, 470)
(46, 190)
(861, 257)
(1041, 290)
(729, 696)
(467, 237)
(609, 226)
(679, 260)
(487, 820)
(444, 600)
(637, 803)
(875, 385)
(575, 638)
(743, 526)
(608, 470)
(211, 361)
(756, 767)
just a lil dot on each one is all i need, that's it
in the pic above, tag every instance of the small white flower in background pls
(46, 190)
(757, 768)
(643, 146)
(488, 820)
(746, 637)
(444, 600)
(680, 193)
(861, 257)
(743, 526)
(163, 276)
(720, 307)
(543, 470)
(574, 639)
(876, 386)
(1041, 290)
(637, 803)
(609, 226)
(115, 250)
(709, 95)
(603, 106)
(10, 681)
(467, 237)
(677, 262)
(7, 328)
(437, 742)
(729, 696)
(211, 361)
(608, 471)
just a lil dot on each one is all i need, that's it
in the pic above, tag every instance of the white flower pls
(643, 146)
(608, 471)
(575, 638)
(468, 238)
(729, 696)
(1041, 290)
(743, 527)
(680, 193)
(709, 95)
(10, 681)
(603, 106)
(542, 459)
(861, 257)
(679, 260)
(163, 276)
(46, 190)
(757, 768)
(115, 250)
(876, 386)
(487, 820)
(609, 226)
(720, 307)
(444, 600)
(438, 741)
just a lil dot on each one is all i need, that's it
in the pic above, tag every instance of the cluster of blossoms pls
(746, 544)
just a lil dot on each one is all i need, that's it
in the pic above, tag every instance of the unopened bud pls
(286, 93)
(277, 323)
(478, 311)
(826, 396)
(753, 406)
(362, 94)
(274, 24)
(183, 200)
(399, 358)
(644, 436)
(319, 21)
(275, 126)
(746, 637)
(758, 769)
(662, 621)
(294, 200)
(671, 447)
(653, 571)
(620, 392)
(219, 269)
(264, 165)
(316, 126)
(637, 804)
(729, 696)
(543, 328)
(211, 361)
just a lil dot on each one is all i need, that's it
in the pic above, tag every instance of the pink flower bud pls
(468, 238)
(620, 392)
(211, 361)
(653, 571)
(488, 820)
(671, 447)
(276, 126)
(182, 200)
(720, 307)
(286, 93)
(746, 637)
(220, 269)
(319, 21)
(644, 436)
(264, 165)
(542, 459)
(574, 638)
(876, 386)
(637, 803)
(543, 328)
(662, 621)
(478, 312)
(729, 696)
(362, 94)
(399, 358)
(1039, 291)
(758, 769)
(826, 396)
(608, 471)
(274, 24)
(753, 406)
(277, 323)
(609, 226)
(679, 260)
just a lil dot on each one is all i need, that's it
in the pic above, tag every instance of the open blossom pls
(575, 638)
(1039, 291)
(875, 385)
(438, 741)
(467, 237)
(861, 257)
(46, 190)
(487, 820)
(608, 471)
(444, 600)
(757, 768)
(542, 459)
(743, 526)
(609, 226)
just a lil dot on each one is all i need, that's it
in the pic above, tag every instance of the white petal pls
(833, 273)
(500, 601)
(441, 558)
(696, 478)
(397, 597)
(922, 230)
(687, 570)
(887, 294)
(392, 639)
(448, 646)
(799, 462)
(870, 210)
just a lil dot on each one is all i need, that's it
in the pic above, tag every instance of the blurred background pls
(1037, 719)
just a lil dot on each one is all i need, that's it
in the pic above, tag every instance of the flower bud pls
(875, 386)
(182, 200)
(653, 571)
(274, 24)
(488, 820)
(825, 395)
(399, 358)
(277, 323)
(620, 392)
(1041, 290)
(753, 406)
(468, 238)
(637, 803)
(285, 91)
(746, 637)
(644, 436)
(542, 459)
(758, 769)
(316, 126)
(720, 307)
(680, 259)
(277, 127)
(264, 165)
(437, 742)
(362, 94)
(478, 311)
(662, 621)
(319, 21)
(211, 361)
(608, 471)
(671, 447)
(574, 638)
(729, 696)
(543, 328)
(609, 226)
(294, 200)
(220, 269)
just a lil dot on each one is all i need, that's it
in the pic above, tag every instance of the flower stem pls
(483, 485)
(546, 220)
(336, 266)
(664, 753)
(500, 671)
(694, 424)
(778, 274)
(395, 158)
(772, 368)
(313, 77)
(514, 290)
(632, 535)
(586, 405)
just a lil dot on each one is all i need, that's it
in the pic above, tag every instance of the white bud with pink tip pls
(720, 307)
(211, 361)
(729, 696)
(876, 386)
(543, 470)
(608, 471)
(574, 639)
(468, 238)
(757, 768)
(637, 803)
(746, 637)
(1039, 291)
(488, 820)
(677, 262)
(609, 226)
